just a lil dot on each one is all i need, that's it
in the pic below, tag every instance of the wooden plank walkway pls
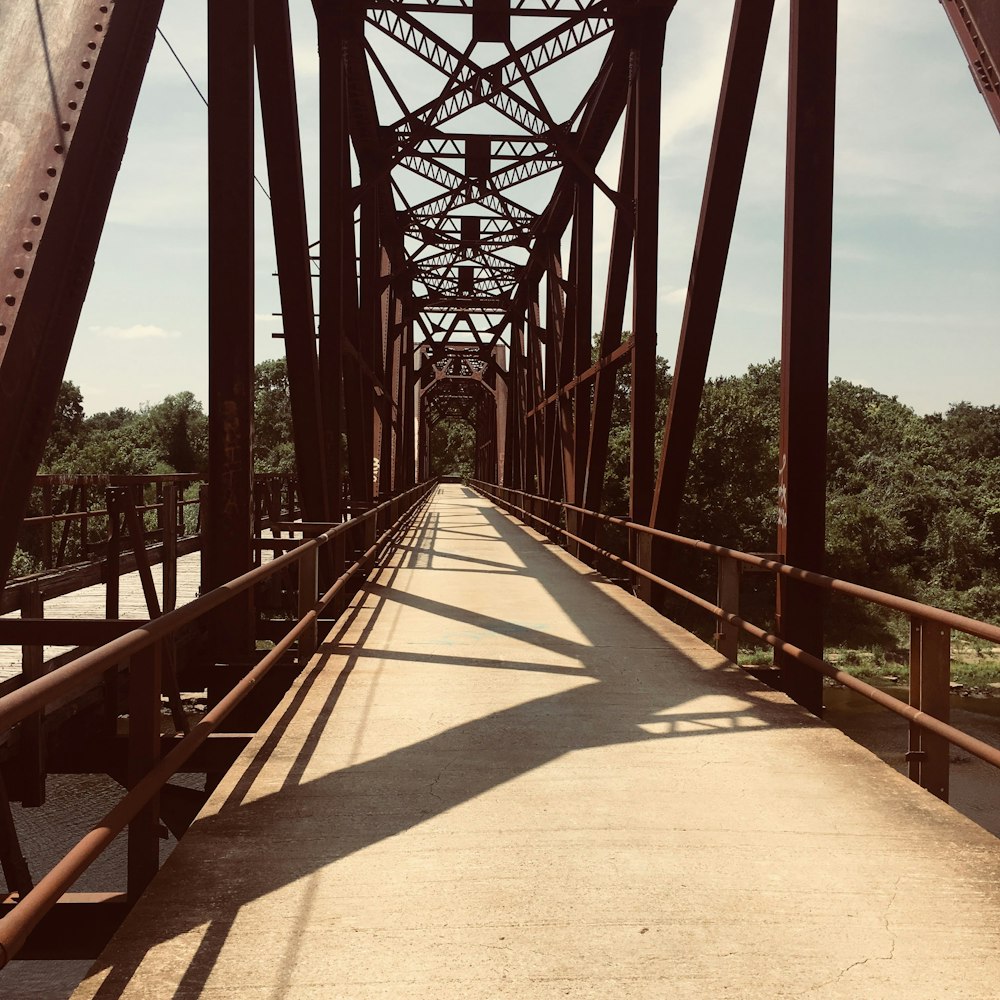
(89, 603)
(503, 777)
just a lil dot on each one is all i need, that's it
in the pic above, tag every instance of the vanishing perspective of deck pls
(501, 775)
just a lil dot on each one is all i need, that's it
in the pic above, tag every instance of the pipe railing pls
(930, 627)
(142, 650)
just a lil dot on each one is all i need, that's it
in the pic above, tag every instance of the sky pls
(916, 275)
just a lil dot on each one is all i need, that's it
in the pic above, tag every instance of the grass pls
(975, 663)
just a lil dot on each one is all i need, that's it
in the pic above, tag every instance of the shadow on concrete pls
(415, 783)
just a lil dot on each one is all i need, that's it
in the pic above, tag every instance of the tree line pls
(165, 437)
(913, 501)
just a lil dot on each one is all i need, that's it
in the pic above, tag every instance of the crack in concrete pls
(871, 958)
(440, 774)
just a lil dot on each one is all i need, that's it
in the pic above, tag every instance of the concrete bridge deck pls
(502, 776)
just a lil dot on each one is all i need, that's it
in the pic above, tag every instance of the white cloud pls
(139, 331)
(675, 296)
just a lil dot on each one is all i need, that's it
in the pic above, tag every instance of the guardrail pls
(930, 627)
(143, 651)
(78, 545)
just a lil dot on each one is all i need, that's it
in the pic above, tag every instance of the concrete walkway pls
(503, 777)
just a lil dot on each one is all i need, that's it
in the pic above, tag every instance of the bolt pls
(3, 329)
(85, 64)
(28, 245)
(57, 149)
(36, 220)
(44, 195)
(72, 105)
(78, 84)
(66, 126)
(91, 45)
(9, 299)
(18, 272)
(51, 171)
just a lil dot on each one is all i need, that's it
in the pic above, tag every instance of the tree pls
(67, 421)
(177, 430)
(274, 448)
(453, 445)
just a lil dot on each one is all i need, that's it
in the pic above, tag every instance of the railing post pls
(32, 749)
(112, 562)
(644, 558)
(84, 523)
(369, 534)
(144, 685)
(727, 635)
(168, 523)
(47, 529)
(339, 544)
(112, 581)
(308, 567)
(930, 676)
(202, 531)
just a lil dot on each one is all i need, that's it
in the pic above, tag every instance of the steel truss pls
(455, 265)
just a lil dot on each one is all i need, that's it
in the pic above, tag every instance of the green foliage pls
(274, 447)
(68, 418)
(913, 502)
(615, 498)
(453, 445)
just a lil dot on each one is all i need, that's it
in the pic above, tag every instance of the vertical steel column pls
(613, 320)
(369, 328)
(737, 101)
(394, 377)
(384, 333)
(556, 414)
(410, 381)
(537, 458)
(583, 290)
(805, 334)
(228, 547)
(647, 57)
(337, 298)
(280, 118)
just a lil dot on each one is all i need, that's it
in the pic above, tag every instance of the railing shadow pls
(306, 824)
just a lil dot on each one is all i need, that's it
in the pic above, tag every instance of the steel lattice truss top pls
(477, 135)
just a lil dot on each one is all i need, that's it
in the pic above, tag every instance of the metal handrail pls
(984, 751)
(15, 707)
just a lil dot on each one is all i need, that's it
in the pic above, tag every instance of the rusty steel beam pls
(583, 282)
(280, 119)
(737, 102)
(71, 73)
(647, 56)
(805, 334)
(977, 27)
(228, 551)
(611, 325)
(338, 295)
